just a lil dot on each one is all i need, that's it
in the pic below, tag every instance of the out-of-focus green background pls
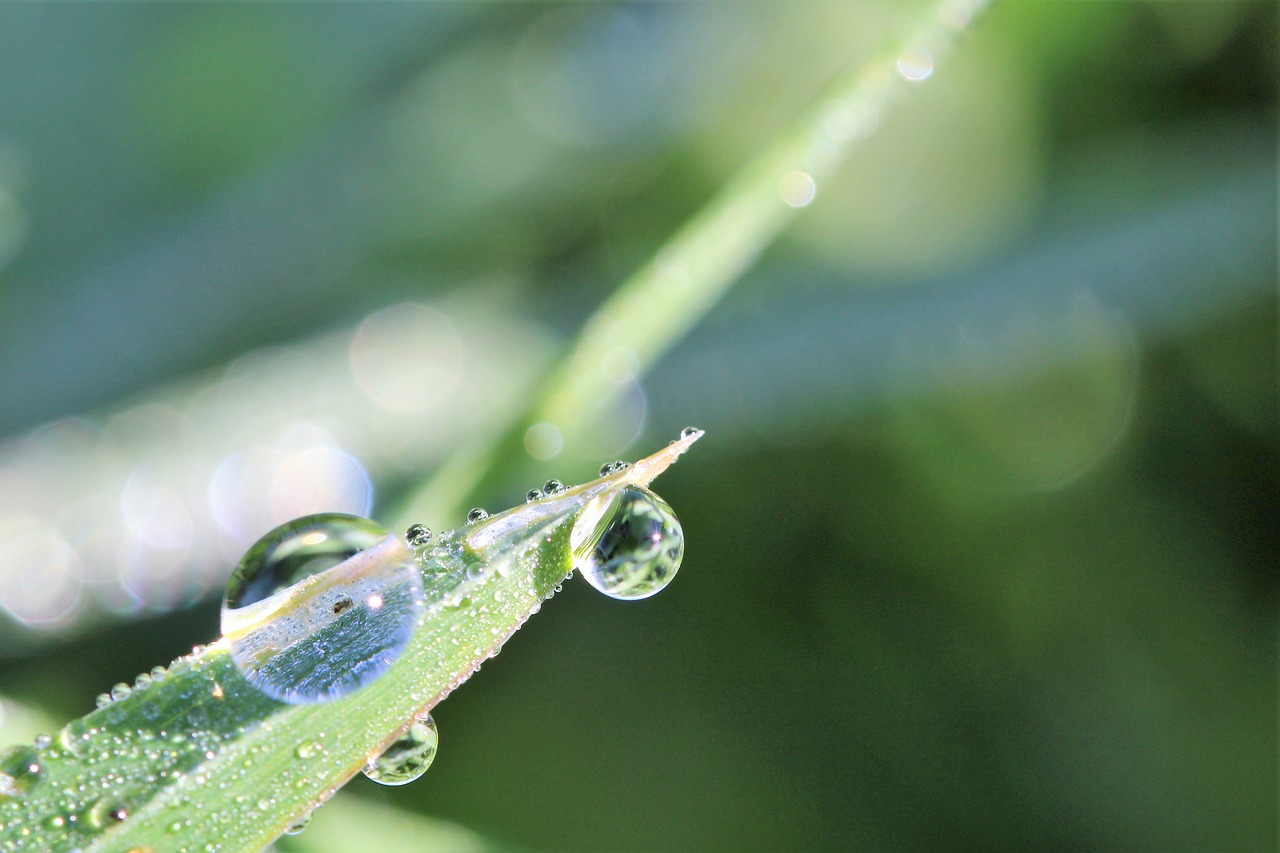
(982, 540)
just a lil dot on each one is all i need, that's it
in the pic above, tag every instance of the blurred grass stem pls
(670, 294)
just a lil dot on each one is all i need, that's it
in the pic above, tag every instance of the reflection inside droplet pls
(628, 543)
(321, 606)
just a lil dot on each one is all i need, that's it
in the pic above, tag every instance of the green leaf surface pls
(199, 759)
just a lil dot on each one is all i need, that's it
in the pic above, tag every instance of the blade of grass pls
(200, 759)
(669, 295)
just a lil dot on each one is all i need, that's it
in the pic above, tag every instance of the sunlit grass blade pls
(196, 755)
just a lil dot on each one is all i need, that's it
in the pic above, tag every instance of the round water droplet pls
(105, 813)
(628, 543)
(477, 514)
(553, 487)
(408, 757)
(121, 691)
(532, 495)
(320, 606)
(417, 536)
(688, 431)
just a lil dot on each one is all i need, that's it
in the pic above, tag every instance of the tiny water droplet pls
(43, 741)
(103, 700)
(689, 431)
(606, 469)
(553, 487)
(105, 813)
(417, 536)
(408, 757)
(532, 495)
(158, 673)
(628, 543)
(298, 825)
(121, 691)
(320, 606)
(307, 750)
(477, 514)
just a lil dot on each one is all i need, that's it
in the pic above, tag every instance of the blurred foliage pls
(981, 542)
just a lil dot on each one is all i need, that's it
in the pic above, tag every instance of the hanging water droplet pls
(532, 495)
(553, 487)
(320, 606)
(408, 757)
(477, 514)
(417, 536)
(298, 825)
(628, 543)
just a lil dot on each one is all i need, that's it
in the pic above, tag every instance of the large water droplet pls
(320, 606)
(408, 757)
(628, 543)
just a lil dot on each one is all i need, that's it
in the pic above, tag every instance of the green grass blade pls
(199, 759)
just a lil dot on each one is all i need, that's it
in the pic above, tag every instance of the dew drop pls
(43, 741)
(105, 813)
(121, 691)
(477, 514)
(417, 536)
(321, 606)
(532, 495)
(298, 825)
(553, 487)
(103, 700)
(689, 432)
(408, 757)
(628, 543)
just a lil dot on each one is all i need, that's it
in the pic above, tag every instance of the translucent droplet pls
(320, 606)
(298, 825)
(477, 514)
(628, 543)
(689, 431)
(417, 536)
(614, 467)
(532, 495)
(105, 813)
(42, 741)
(553, 487)
(408, 757)
(121, 691)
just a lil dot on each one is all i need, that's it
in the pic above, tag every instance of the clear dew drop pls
(417, 536)
(408, 757)
(628, 543)
(297, 827)
(532, 495)
(106, 813)
(689, 431)
(477, 514)
(321, 606)
(553, 487)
